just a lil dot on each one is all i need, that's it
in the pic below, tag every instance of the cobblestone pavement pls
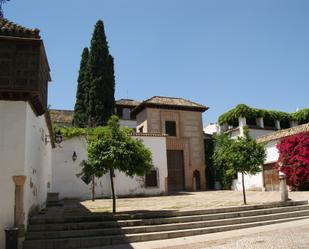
(285, 238)
(190, 201)
(288, 235)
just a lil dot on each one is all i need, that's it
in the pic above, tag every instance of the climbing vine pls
(269, 116)
(88, 133)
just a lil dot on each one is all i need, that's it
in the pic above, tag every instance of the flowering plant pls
(294, 160)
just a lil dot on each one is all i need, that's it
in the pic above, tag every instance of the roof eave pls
(144, 105)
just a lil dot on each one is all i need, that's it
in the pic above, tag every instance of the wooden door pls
(271, 177)
(175, 165)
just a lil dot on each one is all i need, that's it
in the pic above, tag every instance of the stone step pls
(159, 221)
(53, 200)
(85, 242)
(160, 228)
(44, 219)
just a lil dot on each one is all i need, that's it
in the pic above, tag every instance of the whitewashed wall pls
(255, 133)
(12, 148)
(272, 153)
(22, 152)
(252, 182)
(135, 186)
(66, 173)
(255, 182)
(69, 185)
(37, 166)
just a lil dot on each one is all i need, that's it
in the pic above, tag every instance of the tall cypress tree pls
(101, 100)
(80, 110)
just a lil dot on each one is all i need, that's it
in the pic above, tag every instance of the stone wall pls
(189, 137)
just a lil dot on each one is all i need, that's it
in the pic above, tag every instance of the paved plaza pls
(190, 201)
(291, 235)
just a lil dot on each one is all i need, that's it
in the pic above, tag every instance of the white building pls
(25, 127)
(270, 173)
(68, 182)
(211, 128)
(271, 133)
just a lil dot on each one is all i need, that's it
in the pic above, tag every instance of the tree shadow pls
(106, 225)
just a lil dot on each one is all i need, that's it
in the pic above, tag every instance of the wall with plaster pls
(68, 182)
(22, 152)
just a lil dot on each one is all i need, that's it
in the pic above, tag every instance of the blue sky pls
(219, 53)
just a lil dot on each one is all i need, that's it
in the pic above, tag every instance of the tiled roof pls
(64, 117)
(283, 133)
(170, 103)
(127, 102)
(139, 134)
(8, 28)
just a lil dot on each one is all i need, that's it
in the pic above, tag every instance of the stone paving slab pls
(291, 235)
(189, 201)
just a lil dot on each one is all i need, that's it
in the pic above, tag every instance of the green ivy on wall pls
(241, 110)
(88, 133)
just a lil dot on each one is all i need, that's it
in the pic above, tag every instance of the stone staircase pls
(72, 230)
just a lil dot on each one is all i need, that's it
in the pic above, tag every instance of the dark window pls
(151, 179)
(235, 176)
(141, 129)
(170, 128)
(119, 112)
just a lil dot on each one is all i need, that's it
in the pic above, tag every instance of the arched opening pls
(197, 180)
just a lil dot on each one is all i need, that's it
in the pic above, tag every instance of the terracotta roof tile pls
(283, 133)
(153, 134)
(62, 117)
(127, 102)
(170, 102)
(8, 28)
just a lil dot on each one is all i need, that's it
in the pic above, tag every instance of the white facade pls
(66, 172)
(67, 180)
(211, 128)
(272, 153)
(23, 152)
(254, 182)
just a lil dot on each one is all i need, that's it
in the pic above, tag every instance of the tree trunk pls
(93, 192)
(111, 173)
(243, 188)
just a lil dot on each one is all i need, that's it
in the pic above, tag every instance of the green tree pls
(115, 149)
(90, 172)
(242, 155)
(80, 118)
(101, 100)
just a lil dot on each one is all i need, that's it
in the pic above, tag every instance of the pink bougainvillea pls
(294, 160)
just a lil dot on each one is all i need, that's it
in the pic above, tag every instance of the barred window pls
(170, 128)
(151, 179)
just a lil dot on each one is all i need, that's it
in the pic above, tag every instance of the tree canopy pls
(80, 118)
(101, 100)
(241, 154)
(95, 101)
(113, 148)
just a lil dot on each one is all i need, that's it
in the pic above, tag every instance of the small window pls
(235, 176)
(170, 128)
(119, 112)
(141, 129)
(151, 179)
